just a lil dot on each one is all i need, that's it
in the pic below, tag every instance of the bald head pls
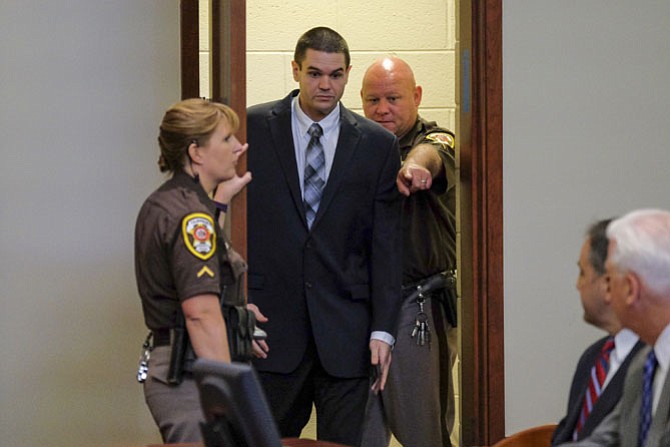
(390, 67)
(390, 95)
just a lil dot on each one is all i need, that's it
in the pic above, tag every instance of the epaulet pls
(441, 137)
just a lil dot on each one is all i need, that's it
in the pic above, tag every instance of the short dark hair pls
(597, 234)
(322, 39)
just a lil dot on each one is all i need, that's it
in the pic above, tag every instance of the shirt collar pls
(408, 138)
(624, 341)
(330, 122)
(662, 348)
(184, 180)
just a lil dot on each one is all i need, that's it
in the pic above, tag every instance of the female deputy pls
(182, 260)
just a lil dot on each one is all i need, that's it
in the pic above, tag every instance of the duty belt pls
(419, 291)
(438, 281)
(161, 337)
(155, 339)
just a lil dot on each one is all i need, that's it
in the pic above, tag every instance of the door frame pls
(479, 127)
(481, 176)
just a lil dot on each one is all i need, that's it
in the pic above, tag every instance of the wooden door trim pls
(480, 137)
(229, 86)
(190, 62)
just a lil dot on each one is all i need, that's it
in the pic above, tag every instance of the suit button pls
(308, 285)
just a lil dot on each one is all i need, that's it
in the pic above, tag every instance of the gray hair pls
(643, 246)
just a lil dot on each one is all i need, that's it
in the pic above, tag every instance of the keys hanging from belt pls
(421, 330)
(143, 368)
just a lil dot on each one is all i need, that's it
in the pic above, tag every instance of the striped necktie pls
(647, 397)
(315, 170)
(595, 388)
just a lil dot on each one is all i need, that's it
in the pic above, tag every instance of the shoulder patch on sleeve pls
(199, 235)
(441, 138)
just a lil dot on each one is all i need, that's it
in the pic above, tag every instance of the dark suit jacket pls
(339, 281)
(580, 382)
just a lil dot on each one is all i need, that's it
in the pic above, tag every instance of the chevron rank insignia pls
(206, 271)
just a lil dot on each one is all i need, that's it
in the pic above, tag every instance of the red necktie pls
(595, 388)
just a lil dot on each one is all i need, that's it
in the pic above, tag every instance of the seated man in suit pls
(638, 267)
(608, 358)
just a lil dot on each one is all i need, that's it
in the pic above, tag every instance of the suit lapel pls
(612, 393)
(583, 382)
(347, 144)
(631, 400)
(279, 121)
(659, 423)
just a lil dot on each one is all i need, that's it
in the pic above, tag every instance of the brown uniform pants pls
(175, 408)
(417, 404)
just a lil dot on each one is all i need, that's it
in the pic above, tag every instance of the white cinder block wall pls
(427, 40)
(422, 32)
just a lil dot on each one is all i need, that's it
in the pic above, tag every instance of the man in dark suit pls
(637, 267)
(582, 417)
(327, 272)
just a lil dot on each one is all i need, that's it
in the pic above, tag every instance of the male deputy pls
(418, 405)
(324, 245)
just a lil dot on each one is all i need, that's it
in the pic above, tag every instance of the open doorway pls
(478, 124)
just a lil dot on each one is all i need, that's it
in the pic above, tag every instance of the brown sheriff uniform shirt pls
(429, 223)
(179, 252)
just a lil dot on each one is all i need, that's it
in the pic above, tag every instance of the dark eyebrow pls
(320, 71)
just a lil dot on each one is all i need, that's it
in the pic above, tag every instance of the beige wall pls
(426, 41)
(586, 107)
(84, 87)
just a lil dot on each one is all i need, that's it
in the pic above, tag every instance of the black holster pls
(180, 345)
(240, 325)
(449, 300)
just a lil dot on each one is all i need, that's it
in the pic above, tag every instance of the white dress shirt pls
(300, 124)
(624, 342)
